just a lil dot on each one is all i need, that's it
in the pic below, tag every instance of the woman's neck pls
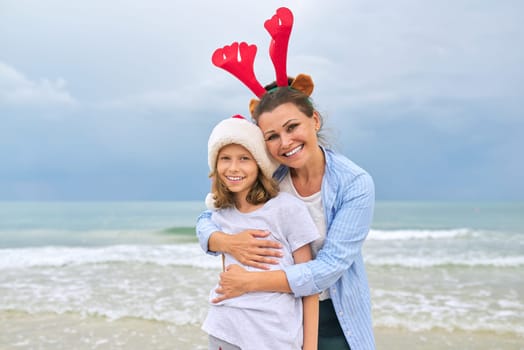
(308, 178)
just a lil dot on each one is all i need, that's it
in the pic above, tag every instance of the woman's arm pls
(310, 304)
(347, 232)
(236, 281)
(247, 247)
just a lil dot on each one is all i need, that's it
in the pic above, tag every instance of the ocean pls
(131, 275)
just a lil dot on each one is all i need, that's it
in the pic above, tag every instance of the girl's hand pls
(232, 283)
(248, 249)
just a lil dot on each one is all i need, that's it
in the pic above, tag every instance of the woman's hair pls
(262, 190)
(277, 96)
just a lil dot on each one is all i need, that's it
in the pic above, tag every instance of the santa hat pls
(239, 130)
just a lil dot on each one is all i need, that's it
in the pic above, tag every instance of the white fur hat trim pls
(239, 130)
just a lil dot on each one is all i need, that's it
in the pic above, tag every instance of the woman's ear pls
(317, 121)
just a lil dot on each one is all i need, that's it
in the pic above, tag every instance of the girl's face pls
(290, 135)
(237, 169)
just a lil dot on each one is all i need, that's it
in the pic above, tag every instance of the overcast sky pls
(114, 100)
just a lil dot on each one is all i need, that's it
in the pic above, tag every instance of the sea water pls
(131, 275)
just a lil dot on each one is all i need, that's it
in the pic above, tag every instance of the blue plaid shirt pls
(348, 198)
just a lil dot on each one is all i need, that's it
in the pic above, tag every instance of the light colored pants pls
(219, 344)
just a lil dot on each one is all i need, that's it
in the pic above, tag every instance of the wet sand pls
(73, 331)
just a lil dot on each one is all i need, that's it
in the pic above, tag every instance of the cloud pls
(426, 96)
(219, 95)
(18, 90)
(418, 58)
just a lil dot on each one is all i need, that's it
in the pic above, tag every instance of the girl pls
(246, 196)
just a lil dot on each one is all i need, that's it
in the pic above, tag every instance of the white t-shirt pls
(263, 320)
(316, 210)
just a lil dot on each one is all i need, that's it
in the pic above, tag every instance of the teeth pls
(295, 151)
(234, 178)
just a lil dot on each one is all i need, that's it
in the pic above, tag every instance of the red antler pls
(279, 27)
(227, 59)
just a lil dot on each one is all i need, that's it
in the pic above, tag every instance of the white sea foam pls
(175, 316)
(113, 282)
(440, 261)
(153, 283)
(416, 325)
(178, 255)
(398, 235)
(191, 255)
(417, 311)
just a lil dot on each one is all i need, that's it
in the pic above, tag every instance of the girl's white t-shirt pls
(263, 320)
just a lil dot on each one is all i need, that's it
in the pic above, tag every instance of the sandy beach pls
(73, 331)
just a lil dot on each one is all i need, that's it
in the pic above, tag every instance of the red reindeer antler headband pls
(279, 27)
(238, 59)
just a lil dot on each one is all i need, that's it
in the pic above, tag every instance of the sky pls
(110, 100)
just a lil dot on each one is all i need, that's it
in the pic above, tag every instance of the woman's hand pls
(232, 283)
(248, 248)
(236, 281)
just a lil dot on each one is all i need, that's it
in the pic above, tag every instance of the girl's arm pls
(247, 247)
(310, 304)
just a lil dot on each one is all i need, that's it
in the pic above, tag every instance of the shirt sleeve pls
(344, 239)
(204, 228)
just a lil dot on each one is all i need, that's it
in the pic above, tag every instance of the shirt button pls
(341, 313)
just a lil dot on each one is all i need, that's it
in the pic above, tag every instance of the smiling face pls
(237, 169)
(290, 135)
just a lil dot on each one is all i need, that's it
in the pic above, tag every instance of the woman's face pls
(290, 135)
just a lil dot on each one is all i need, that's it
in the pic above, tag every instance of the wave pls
(418, 311)
(411, 316)
(92, 237)
(179, 317)
(414, 325)
(446, 261)
(189, 255)
(399, 235)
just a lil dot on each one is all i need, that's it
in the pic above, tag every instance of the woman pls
(340, 196)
